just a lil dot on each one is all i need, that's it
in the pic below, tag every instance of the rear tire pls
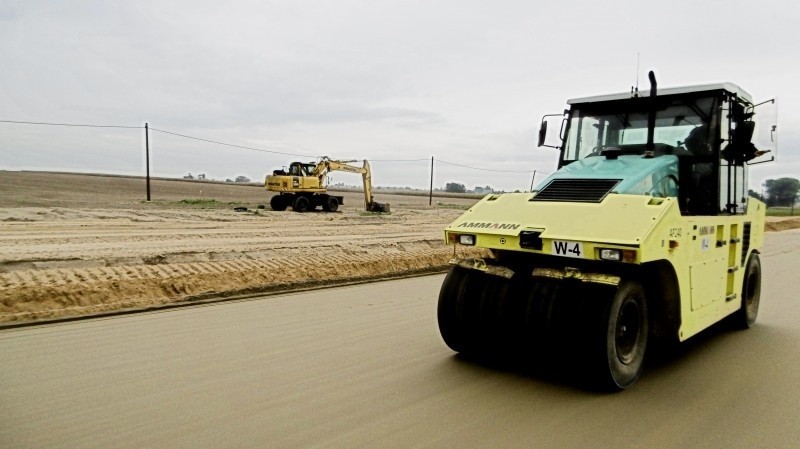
(331, 204)
(627, 328)
(278, 203)
(745, 317)
(301, 204)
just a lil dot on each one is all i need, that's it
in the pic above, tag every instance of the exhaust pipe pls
(649, 150)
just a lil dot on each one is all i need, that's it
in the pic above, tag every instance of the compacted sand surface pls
(98, 247)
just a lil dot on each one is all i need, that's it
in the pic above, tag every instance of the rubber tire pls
(278, 203)
(451, 325)
(478, 314)
(623, 358)
(745, 317)
(301, 204)
(331, 204)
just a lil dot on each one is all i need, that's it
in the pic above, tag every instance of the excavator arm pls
(327, 165)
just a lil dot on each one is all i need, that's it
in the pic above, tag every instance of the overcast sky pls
(395, 82)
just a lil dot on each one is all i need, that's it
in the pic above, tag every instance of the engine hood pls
(635, 175)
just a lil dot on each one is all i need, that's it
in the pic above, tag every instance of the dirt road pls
(364, 366)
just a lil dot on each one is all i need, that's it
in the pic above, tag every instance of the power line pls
(253, 148)
(272, 151)
(232, 145)
(399, 160)
(489, 169)
(71, 124)
(155, 129)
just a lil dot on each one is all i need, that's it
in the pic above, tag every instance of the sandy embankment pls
(782, 223)
(59, 262)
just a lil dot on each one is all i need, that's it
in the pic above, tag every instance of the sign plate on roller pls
(567, 248)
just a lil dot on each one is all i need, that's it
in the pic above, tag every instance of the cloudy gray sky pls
(396, 82)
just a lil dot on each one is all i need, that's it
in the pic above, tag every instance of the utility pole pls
(430, 195)
(147, 157)
(532, 179)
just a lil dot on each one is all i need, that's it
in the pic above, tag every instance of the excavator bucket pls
(378, 207)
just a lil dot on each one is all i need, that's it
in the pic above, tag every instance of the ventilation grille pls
(576, 190)
(745, 242)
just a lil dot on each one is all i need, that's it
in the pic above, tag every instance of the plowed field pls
(99, 248)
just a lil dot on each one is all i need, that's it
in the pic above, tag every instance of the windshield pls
(623, 124)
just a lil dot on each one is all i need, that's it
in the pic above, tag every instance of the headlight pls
(611, 254)
(466, 239)
(617, 255)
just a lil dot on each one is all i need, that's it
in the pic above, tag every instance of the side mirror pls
(542, 132)
(543, 129)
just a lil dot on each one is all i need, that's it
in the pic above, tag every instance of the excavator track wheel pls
(626, 333)
(745, 317)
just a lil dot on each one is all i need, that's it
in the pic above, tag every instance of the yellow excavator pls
(303, 186)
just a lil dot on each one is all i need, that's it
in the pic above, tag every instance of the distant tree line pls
(454, 187)
(780, 192)
(202, 177)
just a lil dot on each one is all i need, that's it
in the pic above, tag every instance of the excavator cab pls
(301, 169)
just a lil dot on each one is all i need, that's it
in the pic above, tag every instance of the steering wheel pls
(596, 151)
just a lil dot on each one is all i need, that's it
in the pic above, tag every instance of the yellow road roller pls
(646, 231)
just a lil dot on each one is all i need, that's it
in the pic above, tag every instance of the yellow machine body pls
(286, 183)
(706, 253)
(645, 232)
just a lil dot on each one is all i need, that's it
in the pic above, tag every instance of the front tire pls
(627, 328)
(451, 323)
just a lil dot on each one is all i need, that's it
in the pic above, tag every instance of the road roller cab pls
(646, 230)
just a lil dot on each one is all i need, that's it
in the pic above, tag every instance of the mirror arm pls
(764, 102)
(761, 162)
